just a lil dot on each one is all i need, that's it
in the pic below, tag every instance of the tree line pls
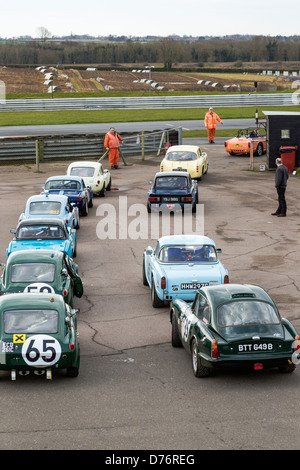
(168, 51)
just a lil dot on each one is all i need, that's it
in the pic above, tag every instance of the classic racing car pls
(173, 190)
(179, 265)
(51, 205)
(93, 176)
(186, 157)
(233, 325)
(51, 234)
(241, 143)
(39, 271)
(38, 334)
(73, 187)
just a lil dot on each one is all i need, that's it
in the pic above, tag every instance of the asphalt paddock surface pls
(134, 391)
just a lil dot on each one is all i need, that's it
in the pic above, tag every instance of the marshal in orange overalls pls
(112, 143)
(210, 123)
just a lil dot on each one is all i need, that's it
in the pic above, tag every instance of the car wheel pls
(259, 150)
(72, 371)
(156, 302)
(108, 188)
(90, 203)
(102, 192)
(145, 282)
(148, 208)
(198, 369)
(175, 341)
(288, 369)
(85, 210)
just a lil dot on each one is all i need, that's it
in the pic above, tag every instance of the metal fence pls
(88, 146)
(153, 102)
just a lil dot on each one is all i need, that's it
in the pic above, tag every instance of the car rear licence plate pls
(193, 285)
(237, 146)
(170, 199)
(255, 347)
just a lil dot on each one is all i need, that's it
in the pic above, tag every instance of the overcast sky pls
(150, 17)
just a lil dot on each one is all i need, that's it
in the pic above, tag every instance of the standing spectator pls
(281, 178)
(112, 143)
(210, 123)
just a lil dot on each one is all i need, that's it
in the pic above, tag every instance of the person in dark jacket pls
(281, 178)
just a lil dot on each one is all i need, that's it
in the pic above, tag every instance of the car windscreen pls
(63, 185)
(188, 254)
(45, 208)
(171, 182)
(181, 156)
(30, 321)
(41, 231)
(32, 272)
(84, 171)
(247, 312)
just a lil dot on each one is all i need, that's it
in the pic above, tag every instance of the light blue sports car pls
(51, 206)
(179, 265)
(51, 234)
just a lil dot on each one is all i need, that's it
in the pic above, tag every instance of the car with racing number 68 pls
(234, 326)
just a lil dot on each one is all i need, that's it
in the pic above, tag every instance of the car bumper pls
(247, 362)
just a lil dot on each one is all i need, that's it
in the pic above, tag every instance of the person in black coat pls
(281, 178)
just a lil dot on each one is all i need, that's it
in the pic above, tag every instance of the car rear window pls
(45, 208)
(171, 182)
(188, 254)
(46, 232)
(63, 185)
(30, 321)
(84, 171)
(32, 272)
(247, 312)
(181, 156)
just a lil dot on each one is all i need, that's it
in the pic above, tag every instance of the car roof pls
(172, 173)
(85, 163)
(223, 293)
(185, 240)
(187, 148)
(54, 197)
(65, 177)
(42, 220)
(35, 256)
(27, 301)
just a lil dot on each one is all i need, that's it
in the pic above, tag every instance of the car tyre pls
(85, 210)
(198, 369)
(90, 203)
(108, 188)
(288, 369)
(72, 371)
(156, 302)
(145, 281)
(175, 339)
(259, 150)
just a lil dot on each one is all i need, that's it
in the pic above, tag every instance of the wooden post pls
(251, 155)
(143, 150)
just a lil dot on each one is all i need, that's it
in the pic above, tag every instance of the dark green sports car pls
(38, 334)
(233, 325)
(41, 271)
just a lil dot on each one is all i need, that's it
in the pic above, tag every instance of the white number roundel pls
(39, 288)
(41, 350)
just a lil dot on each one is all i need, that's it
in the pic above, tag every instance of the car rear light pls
(226, 279)
(67, 221)
(163, 282)
(297, 340)
(214, 349)
(186, 199)
(98, 182)
(161, 168)
(65, 292)
(249, 144)
(79, 198)
(197, 168)
(72, 346)
(153, 199)
(258, 366)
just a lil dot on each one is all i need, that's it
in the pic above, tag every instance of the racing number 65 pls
(33, 354)
(41, 350)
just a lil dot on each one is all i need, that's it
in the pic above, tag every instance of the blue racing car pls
(179, 265)
(172, 191)
(73, 187)
(52, 234)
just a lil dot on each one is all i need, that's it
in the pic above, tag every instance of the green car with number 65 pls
(234, 325)
(41, 271)
(38, 333)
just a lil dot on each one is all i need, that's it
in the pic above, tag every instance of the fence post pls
(143, 149)
(37, 156)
